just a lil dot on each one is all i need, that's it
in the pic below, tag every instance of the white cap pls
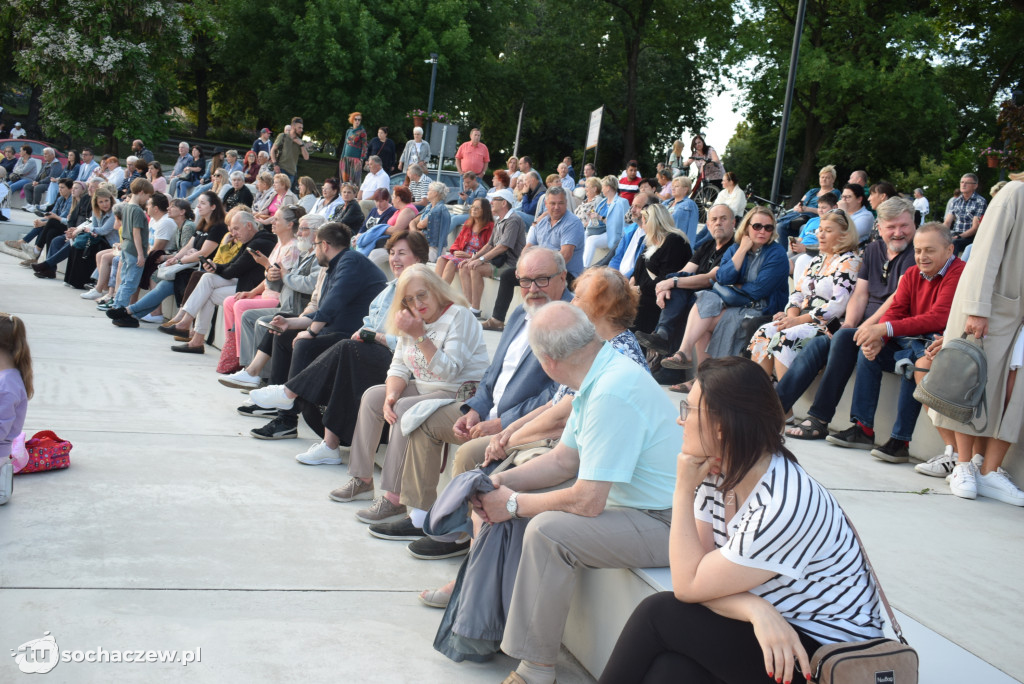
(504, 194)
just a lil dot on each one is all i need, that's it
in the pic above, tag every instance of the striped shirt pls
(790, 524)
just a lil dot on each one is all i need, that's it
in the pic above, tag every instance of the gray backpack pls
(955, 385)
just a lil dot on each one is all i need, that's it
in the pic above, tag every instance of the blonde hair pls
(441, 290)
(683, 180)
(658, 224)
(756, 211)
(849, 239)
(14, 339)
(830, 170)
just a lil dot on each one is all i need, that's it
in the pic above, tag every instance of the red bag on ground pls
(46, 451)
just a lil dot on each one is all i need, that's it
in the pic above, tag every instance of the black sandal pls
(809, 428)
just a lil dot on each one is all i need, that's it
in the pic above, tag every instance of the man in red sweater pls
(916, 312)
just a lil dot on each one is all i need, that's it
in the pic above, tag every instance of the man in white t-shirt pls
(375, 179)
(17, 131)
(921, 204)
(162, 227)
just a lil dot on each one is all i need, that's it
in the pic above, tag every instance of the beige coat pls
(992, 286)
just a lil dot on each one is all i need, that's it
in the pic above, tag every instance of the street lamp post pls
(433, 81)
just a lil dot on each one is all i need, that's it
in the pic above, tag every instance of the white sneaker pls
(962, 481)
(976, 461)
(271, 396)
(320, 454)
(92, 295)
(240, 380)
(938, 466)
(29, 208)
(152, 318)
(998, 485)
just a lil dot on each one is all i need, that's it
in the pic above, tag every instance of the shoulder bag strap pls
(878, 585)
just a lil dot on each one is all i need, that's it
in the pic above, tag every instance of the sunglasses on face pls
(766, 227)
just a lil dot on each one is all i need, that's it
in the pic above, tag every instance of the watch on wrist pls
(675, 282)
(512, 505)
(420, 339)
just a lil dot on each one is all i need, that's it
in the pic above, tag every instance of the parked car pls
(453, 179)
(36, 145)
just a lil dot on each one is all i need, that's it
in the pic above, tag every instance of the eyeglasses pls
(685, 409)
(319, 242)
(420, 297)
(766, 227)
(542, 281)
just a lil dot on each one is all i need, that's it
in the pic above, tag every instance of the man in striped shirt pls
(629, 184)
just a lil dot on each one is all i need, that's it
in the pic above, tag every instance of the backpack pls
(955, 385)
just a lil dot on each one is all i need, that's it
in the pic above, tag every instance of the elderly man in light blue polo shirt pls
(560, 230)
(620, 442)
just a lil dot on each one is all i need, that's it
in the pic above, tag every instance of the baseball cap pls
(504, 194)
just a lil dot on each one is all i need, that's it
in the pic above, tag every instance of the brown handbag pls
(875, 661)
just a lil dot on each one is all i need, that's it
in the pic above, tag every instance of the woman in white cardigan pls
(732, 195)
(440, 347)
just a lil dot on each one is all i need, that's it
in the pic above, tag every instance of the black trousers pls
(288, 360)
(51, 229)
(666, 640)
(336, 381)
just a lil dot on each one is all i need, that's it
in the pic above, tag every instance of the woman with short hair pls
(282, 197)
(732, 195)
(347, 209)
(308, 193)
(239, 194)
(683, 209)
(435, 220)
(417, 151)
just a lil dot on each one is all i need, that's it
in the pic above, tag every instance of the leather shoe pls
(188, 349)
(170, 330)
(182, 338)
(493, 324)
(44, 273)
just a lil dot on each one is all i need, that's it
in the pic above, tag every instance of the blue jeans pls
(791, 223)
(869, 383)
(184, 186)
(677, 307)
(838, 356)
(17, 185)
(57, 251)
(198, 191)
(131, 274)
(152, 299)
(32, 235)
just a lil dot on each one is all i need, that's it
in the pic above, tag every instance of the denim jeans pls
(17, 185)
(184, 186)
(838, 356)
(677, 307)
(869, 382)
(152, 299)
(57, 251)
(131, 274)
(198, 191)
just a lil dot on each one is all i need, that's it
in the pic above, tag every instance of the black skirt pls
(82, 262)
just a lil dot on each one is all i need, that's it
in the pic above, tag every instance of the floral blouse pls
(826, 286)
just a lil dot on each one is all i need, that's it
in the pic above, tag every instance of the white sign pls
(595, 127)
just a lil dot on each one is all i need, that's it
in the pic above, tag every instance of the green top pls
(288, 153)
(132, 217)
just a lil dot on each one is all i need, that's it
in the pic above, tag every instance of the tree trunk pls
(32, 121)
(814, 138)
(108, 133)
(202, 100)
(637, 22)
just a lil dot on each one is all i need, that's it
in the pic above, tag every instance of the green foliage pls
(1011, 122)
(101, 64)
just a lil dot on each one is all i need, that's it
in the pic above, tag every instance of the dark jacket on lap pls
(244, 267)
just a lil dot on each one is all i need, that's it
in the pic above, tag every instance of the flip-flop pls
(808, 428)
(435, 598)
(677, 362)
(682, 388)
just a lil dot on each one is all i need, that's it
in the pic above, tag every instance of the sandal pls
(683, 387)
(435, 598)
(677, 362)
(493, 324)
(809, 428)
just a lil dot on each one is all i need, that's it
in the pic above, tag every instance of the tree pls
(101, 64)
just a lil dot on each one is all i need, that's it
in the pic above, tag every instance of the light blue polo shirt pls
(624, 427)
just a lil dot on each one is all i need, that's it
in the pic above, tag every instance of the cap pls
(264, 130)
(17, 123)
(504, 194)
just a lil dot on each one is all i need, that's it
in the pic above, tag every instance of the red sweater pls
(921, 306)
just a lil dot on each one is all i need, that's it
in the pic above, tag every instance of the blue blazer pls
(528, 388)
(351, 284)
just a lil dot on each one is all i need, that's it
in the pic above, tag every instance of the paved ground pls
(175, 530)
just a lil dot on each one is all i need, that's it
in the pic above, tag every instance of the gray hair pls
(417, 129)
(119, 210)
(375, 159)
(918, 191)
(611, 181)
(894, 207)
(559, 342)
(439, 187)
(235, 175)
(246, 219)
(185, 144)
(972, 176)
(231, 153)
(939, 228)
(261, 155)
(416, 169)
(556, 191)
(50, 150)
(313, 221)
(556, 256)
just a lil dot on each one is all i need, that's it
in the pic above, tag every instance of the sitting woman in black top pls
(666, 251)
(765, 566)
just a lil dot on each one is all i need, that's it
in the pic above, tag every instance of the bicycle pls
(777, 208)
(703, 194)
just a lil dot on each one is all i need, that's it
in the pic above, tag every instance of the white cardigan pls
(461, 354)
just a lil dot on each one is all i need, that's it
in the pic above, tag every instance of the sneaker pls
(271, 396)
(104, 306)
(852, 438)
(14, 244)
(118, 312)
(400, 529)
(320, 454)
(962, 481)
(130, 322)
(383, 511)
(92, 295)
(354, 490)
(426, 548)
(152, 318)
(654, 341)
(998, 485)
(240, 380)
(282, 427)
(893, 451)
(30, 208)
(976, 460)
(254, 411)
(938, 466)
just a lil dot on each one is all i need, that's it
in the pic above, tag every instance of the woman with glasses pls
(354, 152)
(440, 347)
(752, 281)
(817, 305)
(765, 565)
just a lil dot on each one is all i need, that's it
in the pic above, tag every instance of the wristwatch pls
(420, 339)
(512, 505)
(483, 259)
(675, 282)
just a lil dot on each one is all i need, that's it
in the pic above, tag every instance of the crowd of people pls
(349, 319)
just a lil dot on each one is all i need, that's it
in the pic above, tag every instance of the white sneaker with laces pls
(271, 396)
(998, 485)
(320, 454)
(976, 461)
(152, 318)
(962, 481)
(92, 295)
(938, 466)
(240, 380)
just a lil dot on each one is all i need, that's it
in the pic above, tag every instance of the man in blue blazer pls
(513, 385)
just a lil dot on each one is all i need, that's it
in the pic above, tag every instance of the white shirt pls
(921, 204)
(373, 182)
(513, 356)
(163, 229)
(116, 177)
(17, 133)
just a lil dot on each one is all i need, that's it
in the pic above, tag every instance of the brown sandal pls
(677, 361)
(683, 387)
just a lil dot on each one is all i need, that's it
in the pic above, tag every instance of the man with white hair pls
(179, 165)
(615, 514)
(48, 173)
(564, 178)
(417, 151)
(375, 179)
(419, 184)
